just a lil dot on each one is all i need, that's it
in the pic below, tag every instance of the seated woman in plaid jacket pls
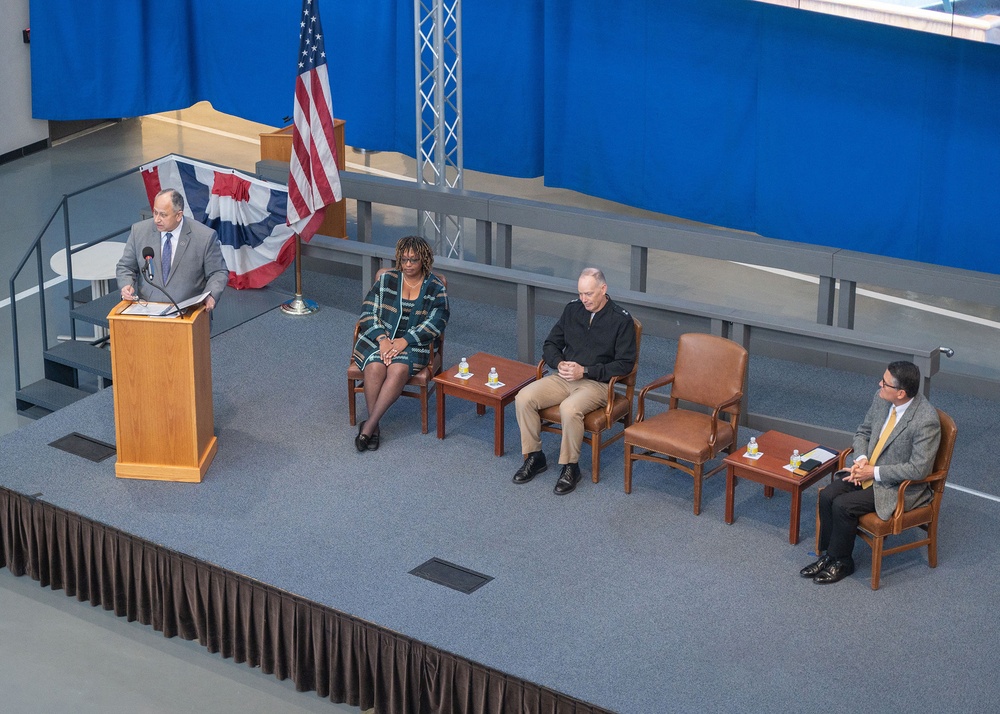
(403, 314)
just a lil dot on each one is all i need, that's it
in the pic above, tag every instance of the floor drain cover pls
(84, 446)
(450, 575)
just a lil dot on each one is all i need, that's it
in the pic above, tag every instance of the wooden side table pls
(770, 471)
(513, 375)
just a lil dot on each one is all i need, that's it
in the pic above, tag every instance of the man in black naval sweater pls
(593, 341)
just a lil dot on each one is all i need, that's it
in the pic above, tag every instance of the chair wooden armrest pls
(728, 404)
(901, 498)
(541, 369)
(609, 407)
(900, 503)
(655, 384)
(715, 415)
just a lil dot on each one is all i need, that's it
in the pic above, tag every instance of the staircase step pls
(48, 395)
(96, 311)
(81, 355)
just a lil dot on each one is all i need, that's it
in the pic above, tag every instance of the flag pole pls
(298, 306)
(313, 176)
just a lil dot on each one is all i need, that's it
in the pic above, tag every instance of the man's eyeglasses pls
(409, 260)
(883, 383)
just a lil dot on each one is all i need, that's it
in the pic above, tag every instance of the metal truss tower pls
(438, 46)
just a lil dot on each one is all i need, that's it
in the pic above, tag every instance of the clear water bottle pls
(752, 446)
(463, 368)
(795, 461)
(494, 378)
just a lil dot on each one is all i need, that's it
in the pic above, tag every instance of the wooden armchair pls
(711, 372)
(420, 385)
(873, 530)
(599, 421)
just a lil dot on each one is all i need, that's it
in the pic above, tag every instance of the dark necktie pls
(168, 253)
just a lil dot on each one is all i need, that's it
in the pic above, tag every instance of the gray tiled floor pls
(57, 654)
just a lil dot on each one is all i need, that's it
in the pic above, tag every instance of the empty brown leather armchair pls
(873, 530)
(599, 421)
(711, 372)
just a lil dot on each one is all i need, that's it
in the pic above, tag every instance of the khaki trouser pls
(575, 399)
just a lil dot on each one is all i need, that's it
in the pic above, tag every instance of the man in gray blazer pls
(897, 441)
(187, 258)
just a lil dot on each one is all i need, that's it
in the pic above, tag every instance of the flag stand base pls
(298, 306)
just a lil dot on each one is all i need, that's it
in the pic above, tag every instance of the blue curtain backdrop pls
(790, 124)
(654, 107)
(879, 140)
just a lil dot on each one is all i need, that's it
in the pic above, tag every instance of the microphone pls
(147, 275)
(147, 254)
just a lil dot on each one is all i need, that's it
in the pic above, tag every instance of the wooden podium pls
(277, 146)
(162, 373)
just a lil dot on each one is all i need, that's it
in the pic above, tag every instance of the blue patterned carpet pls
(629, 602)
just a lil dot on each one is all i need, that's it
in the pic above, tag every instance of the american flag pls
(313, 178)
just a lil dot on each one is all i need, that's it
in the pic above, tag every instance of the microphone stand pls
(162, 289)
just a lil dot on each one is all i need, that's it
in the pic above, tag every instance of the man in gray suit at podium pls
(186, 258)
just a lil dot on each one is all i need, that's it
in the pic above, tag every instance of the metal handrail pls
(36, 249)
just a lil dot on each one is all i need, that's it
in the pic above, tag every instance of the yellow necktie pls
(880, 444)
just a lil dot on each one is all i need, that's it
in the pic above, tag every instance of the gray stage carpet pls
(629, 602)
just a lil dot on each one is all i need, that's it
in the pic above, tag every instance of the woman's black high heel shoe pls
(373, 441)
(361, 441)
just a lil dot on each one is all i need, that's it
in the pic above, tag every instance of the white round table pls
(96, 264)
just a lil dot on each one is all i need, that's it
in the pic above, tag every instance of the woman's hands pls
(388, 349)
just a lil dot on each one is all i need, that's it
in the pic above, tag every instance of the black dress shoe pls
(568, 479)
(534, 464)
(810, 571)
(373, 441)
(836, 571)
(361, 441)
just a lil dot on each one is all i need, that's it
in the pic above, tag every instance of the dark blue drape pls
(879, 140)
(791, 124)
(105, 58)
(654, 107)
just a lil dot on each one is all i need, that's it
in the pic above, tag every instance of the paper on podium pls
(149, 309)
(196, 300)
(163, 309)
